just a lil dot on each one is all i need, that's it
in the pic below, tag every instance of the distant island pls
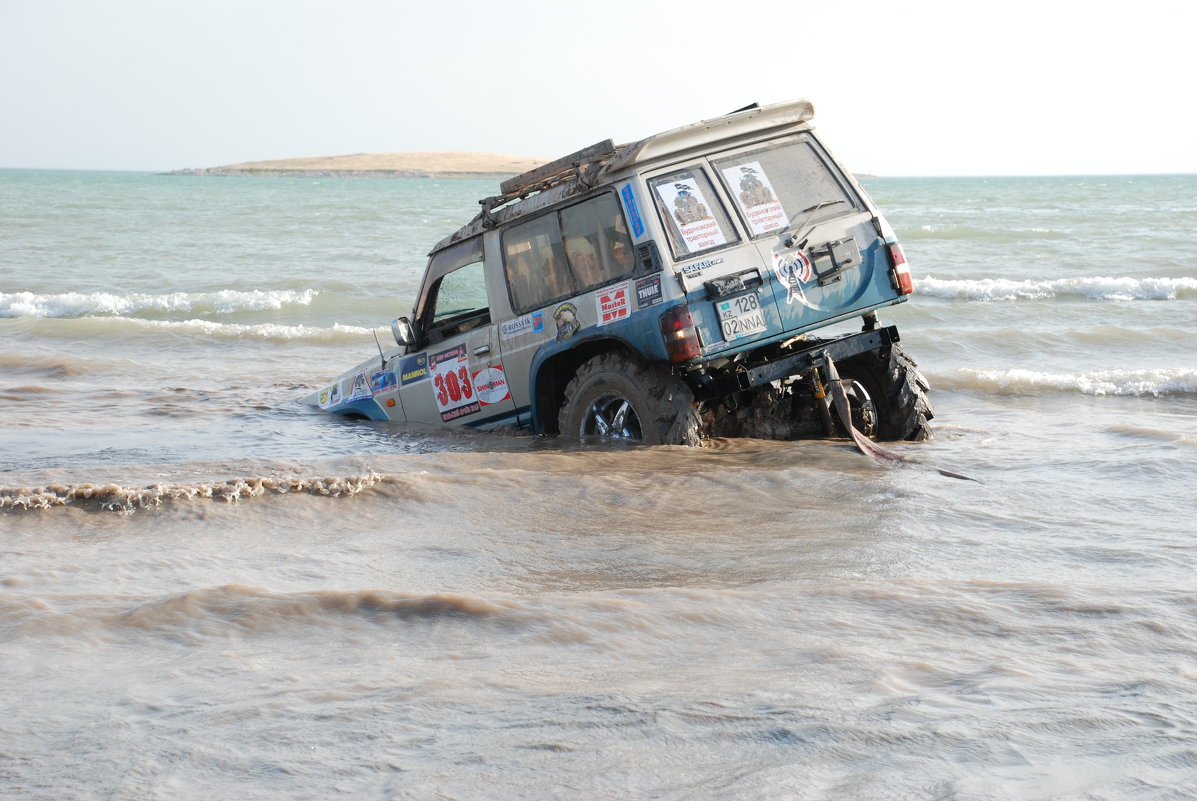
(484, 166)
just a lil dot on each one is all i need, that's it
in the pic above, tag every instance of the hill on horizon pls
(446, 164)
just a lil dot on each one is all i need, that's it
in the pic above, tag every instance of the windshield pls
(786, 183)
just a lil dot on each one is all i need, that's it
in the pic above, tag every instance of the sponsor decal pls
(330, 395)
(490, 384)
(629, 203)
(612, 303)
(566, 317)
(756, 197)
(691, 212)
(452, 386)
(413, 369)
(528, 324)
(648, 291)
(382, 381)
(360, 388)
(793, 270)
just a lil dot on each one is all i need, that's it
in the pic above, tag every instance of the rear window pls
(786, 182)
(692, 214)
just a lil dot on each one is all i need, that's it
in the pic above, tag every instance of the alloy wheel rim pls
(864, 410)
(611, 417)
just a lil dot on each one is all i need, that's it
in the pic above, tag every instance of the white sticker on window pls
(690, 209)
(756, 197)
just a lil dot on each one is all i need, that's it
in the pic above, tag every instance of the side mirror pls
(405, 335)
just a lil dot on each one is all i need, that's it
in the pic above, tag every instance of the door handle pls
(482, 350)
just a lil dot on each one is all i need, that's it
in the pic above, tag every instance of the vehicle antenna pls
(381, 355)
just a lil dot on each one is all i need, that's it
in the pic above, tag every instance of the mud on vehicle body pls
(665, 290)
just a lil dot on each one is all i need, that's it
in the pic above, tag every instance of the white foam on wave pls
(1096, 287)
(1139, 383)
(114, 497)
(80, 304)
(268, 331)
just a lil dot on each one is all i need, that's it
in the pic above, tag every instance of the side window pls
(566, 252)
(534, 260)
(596, 242)
(692, 214)
(785, 181)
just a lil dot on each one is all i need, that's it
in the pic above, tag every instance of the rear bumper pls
(757, 374)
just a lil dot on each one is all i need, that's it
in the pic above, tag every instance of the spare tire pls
(616, 397)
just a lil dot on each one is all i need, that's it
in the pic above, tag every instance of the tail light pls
(681, 340)
(903, 280)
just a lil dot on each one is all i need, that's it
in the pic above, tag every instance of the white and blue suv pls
(665, 290)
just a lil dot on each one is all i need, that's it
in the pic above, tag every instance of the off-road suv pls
(662, 291)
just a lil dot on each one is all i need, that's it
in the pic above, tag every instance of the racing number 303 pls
(453, 387)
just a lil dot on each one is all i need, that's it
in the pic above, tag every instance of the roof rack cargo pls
(560, 169)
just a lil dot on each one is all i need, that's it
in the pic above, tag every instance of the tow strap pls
(864, 444)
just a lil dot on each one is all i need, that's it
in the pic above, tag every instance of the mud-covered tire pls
(613, 396)
(897, 389)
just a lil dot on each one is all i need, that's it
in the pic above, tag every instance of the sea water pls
(209, 590)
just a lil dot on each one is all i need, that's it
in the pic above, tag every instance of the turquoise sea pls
(209, 590)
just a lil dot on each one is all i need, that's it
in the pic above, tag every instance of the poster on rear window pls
(685, 202)
(754, 193)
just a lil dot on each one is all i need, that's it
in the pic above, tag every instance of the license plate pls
(741, 316)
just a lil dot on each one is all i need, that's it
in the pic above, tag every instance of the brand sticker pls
(491, 385)
(629, 203)
(382, 381)
(793, 270)
(648, 291)
(413, 369)
(612, 303)
(566, 317)
(330, 395)
(528, 324)
(361, 387)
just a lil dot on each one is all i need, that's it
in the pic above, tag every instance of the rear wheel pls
(887, 386)
(864, 411)
(616, 397)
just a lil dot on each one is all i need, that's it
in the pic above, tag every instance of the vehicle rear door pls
(812, 230)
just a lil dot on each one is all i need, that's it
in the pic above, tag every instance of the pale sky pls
(921, 87)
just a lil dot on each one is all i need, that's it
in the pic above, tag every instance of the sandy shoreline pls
(382, 165)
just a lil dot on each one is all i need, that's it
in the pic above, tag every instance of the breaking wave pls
(75, 304)
(234, 607)
(117, 498)
(1097, 288)
(1156, 434)
(277, 332)
(1138, 383)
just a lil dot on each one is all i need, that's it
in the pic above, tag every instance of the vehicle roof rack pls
(585, 165)
(576, 165)
(557, 169)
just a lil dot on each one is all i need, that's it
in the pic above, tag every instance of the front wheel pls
(616, 397)
(890, 393)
